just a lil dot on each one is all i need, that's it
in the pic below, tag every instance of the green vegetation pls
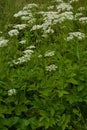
(43, 65)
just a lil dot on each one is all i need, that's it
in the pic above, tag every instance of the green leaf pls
(76, 112)
(80, 87)
(45, 92)
(65, 121)
(20, 108)
(52, 111)
(33, 122)
(62, 92)
(73, 81)
(1, 115)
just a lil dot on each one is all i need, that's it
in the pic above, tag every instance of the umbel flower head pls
(51, 67)
(3, 42)
(11, 92)
(77, 35)
(13, 32)
(49, 54)
(20, 26)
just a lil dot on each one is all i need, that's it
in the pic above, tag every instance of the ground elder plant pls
(43, 61)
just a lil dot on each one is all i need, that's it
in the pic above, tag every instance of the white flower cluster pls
(40, 56)
(59, 1)
(50, 7)
(26, 57)
(52, 67)
(49, 54)
(67, 15)
(31, 20)
(46, 29)
(64, 7)
(31, 47)
(83, 19)
(26, 13)
(27, 18)
(0, 32)
(28, 52)
(22, 42)
(49, 30)
(81, 8)
(51, 18)
(77, 35)
(22, 13)
(36, 27)
(20, 26)
(3, 42)
(29, 6)
(54, 17)
(13, 32)
(11, 92)
(77, 15)
(71, 1)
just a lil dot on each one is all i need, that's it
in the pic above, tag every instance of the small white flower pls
(64, 7)
(71, 1)
(23, 42)
(69, 38)
(25, 18)
(49, 30)
(65, 16)
(20, 26)
(81, 8)
(77, 35)
(77, 15)
(40, 56)
(3, 42)
(83, 19)
(59, 1)
(13, 32)
(36, 27)
(29, 6)
(28, 51)
(11, 92)
(52, 67)
(49, 54)
(31, 47)
(25, 58)
(50, 7)
(32, 20)
(21, 13)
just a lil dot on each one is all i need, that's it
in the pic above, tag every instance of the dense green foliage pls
(43, 97)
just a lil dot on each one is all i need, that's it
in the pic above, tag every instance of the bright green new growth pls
(43, 65)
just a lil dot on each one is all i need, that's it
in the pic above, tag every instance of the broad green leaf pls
(65, 121)
(73, 81)
(80, 87)
(62, 92)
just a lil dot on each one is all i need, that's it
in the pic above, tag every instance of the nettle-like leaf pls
(73, 81)
(45, 92)
(80, 87)
(20, 109)
(65, 120)
(11, 121)
(45, 120)
(61, 93)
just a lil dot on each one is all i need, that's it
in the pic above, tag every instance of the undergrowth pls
(43, 66)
